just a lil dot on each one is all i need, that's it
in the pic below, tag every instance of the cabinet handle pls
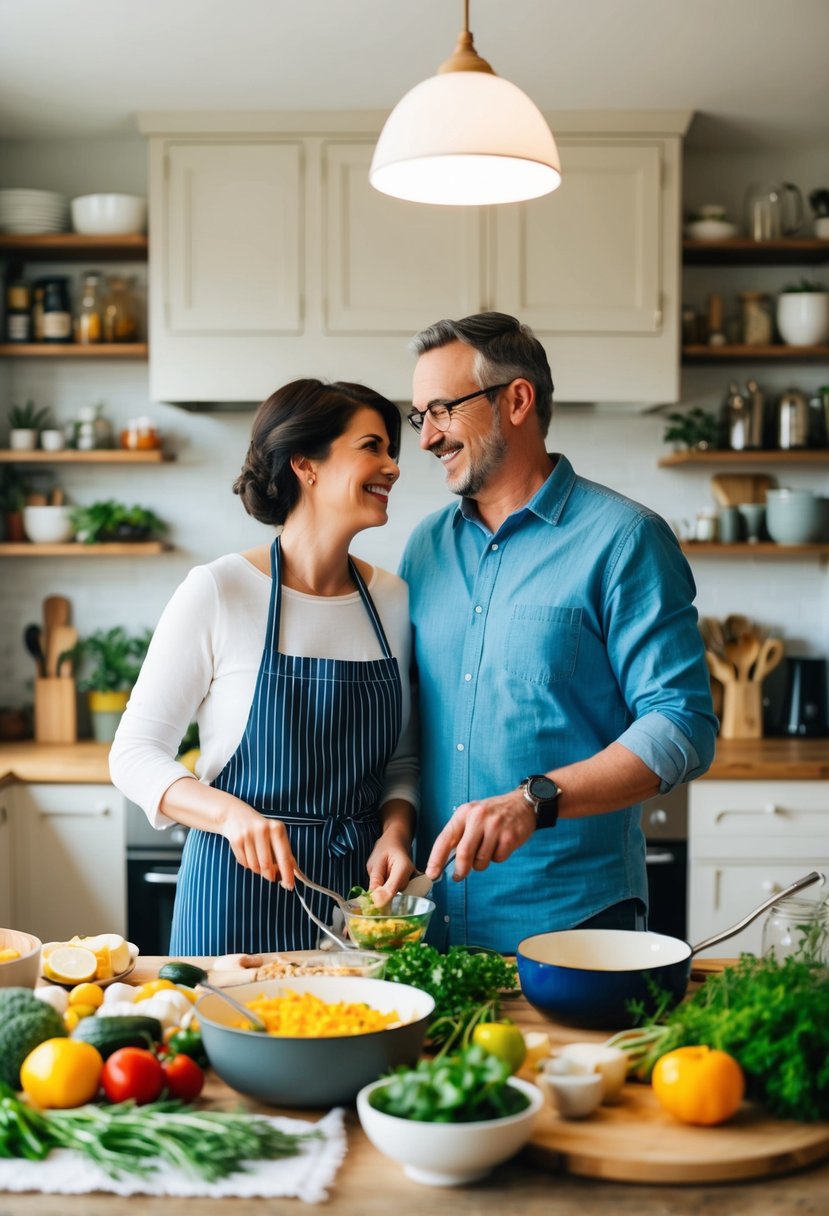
(665, 858)
(769, 808)
(96, 812)
(4, 815)
(158, 879)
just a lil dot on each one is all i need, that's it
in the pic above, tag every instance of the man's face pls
(474, 447)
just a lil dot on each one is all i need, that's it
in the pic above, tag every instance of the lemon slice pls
(70, 965)
(538, 1047)
(119, 952)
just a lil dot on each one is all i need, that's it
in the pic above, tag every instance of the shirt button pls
(478, 608)
(468, 676)
(446, 920)
(459, 747)
(494, 548)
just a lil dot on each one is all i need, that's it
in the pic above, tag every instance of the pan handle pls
(797, 885)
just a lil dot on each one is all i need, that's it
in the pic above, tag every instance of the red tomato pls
(132, 1072)
(183, 1077)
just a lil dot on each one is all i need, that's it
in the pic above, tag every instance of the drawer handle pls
(770, 808)
(661, 858)
(96, 812)
(158, 879)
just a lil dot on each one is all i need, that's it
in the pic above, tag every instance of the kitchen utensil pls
(736, 626)
(329, 932)
(743, 652)
(794, 517)
(63, 638)
(734, 489)
(338, 899)
(588, 977)
(56, 710)
(771, 653)
(200, 976)
(420, 885)
(20, 972)
(400, 922)
(109, 214)
(32, 639)
(56, 611)
(792, 420)
(321, 1071)
(773, 210)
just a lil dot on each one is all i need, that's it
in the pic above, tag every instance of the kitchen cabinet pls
(69, 857)
(5, 860)
(746, 840)
(272, 258)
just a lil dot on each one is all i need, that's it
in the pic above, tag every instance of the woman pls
(293, 658)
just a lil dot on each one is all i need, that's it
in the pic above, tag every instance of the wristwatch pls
(542, 794)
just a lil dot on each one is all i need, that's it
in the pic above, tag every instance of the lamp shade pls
(465, 138)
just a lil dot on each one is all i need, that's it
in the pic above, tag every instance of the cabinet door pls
(390, 266)
(70, 860)
(233, 240)
(7, 917)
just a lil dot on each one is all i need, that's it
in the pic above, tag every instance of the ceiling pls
(754, 70)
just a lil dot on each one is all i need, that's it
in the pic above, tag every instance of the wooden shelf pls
(74, 350)
(763, 548)
(791, 251)
(720, 456)
(99, 456)
(721, 354)
(73, 246)
(144, 548)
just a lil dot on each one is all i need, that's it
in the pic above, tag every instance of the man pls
(561, 672)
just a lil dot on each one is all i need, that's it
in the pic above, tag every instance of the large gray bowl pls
(313, 1072)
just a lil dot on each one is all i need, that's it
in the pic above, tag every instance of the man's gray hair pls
(505, 350)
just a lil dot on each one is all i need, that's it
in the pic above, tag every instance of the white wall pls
(194, 493)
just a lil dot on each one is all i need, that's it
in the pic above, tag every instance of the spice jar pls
(797, 926)
(120, 323)
(88, 326)
(57, 321)
(140, 435)
(18, 314)
(37, 310)
(756, 326)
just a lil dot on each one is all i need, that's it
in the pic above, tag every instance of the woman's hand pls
(258, 843)
(389, 865)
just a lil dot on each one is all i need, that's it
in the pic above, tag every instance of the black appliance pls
(153, 860)
(804, 700)
(665, 824)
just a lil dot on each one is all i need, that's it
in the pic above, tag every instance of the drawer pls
(721, 895)
(726, 817)
(71, 800)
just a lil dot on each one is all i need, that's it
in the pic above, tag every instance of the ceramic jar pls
(803, 317)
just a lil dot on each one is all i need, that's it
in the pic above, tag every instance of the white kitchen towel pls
(306, 1176)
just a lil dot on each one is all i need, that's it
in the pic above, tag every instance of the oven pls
(153, 860)
(665, 824)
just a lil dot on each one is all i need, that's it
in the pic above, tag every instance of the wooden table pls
(368, 1184)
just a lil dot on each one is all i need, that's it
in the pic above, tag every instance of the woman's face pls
(355, 478)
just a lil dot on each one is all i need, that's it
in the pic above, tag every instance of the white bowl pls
(710, 230)
(109, 214)
(449, 1154)
(803, 317)
(47, 525)
(20, 972)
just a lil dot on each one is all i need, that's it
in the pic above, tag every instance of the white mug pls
(52, 441)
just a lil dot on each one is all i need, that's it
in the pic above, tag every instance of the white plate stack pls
(33, 211)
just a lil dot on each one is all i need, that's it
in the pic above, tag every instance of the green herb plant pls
(466, 1087)
(109, 520)
(697, 428)
(805, 285)
(127, 1139)
(468, 986)
(27, 417)
(112, 658)
(772, 1016)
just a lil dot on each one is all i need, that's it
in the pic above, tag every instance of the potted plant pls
(25, 423)
(107, 521)
(819, 201)
(112, 658)
(696, 430)
(803, 314)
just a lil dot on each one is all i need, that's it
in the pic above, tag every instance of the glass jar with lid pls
(797, 926)
(88, 324)
(755, 320)
(120, 318)
(57, 319)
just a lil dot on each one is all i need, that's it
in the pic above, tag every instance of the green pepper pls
(188, 1042)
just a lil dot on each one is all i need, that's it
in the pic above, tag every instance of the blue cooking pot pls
(590, 977)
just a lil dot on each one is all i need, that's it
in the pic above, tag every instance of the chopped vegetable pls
(305, 1015)
(610, 1062)
(463, 1088)
(699, 1085)
(125, 1139)
(773, 1017)
(467, 986)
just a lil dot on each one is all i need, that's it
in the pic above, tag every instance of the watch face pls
(542, 788)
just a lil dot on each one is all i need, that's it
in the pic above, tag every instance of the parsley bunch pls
(462, 1088)
(467, 986)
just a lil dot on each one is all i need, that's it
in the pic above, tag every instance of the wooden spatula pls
(62, 638)
(56, 612)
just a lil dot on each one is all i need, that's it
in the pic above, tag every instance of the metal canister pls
(792, 420)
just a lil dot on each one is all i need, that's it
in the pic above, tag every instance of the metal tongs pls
(341, 942)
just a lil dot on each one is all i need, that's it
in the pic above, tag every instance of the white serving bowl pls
(109, 214)
(449, 1154)
(794, 517)
(710, 230)
(47, 525)
(20, 972)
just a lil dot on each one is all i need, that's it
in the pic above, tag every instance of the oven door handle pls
(660, 857)
(159, 879)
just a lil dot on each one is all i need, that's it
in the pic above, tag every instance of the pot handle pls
(797, 885)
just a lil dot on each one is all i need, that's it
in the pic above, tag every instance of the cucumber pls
(182, 973)
(108, 1034)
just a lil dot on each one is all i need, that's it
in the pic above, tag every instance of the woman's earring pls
(311, 480)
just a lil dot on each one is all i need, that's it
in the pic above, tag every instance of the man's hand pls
(482, 832)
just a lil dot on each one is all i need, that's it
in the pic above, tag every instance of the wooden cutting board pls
(637, 1141)
(732, 489)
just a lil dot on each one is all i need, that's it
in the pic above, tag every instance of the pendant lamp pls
(465, 137)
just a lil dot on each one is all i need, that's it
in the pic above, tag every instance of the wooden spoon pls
(736, 625)
(743, 653)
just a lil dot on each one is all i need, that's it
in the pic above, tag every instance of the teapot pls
(773, 210)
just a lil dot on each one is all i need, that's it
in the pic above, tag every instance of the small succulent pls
(27, 417)
(804, 285)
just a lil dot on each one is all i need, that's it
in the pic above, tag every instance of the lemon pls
(87, 994)
(189, 759)
(501, 1039)
(71, 1019)
(70, 965)
(538, 1047)
(113, 952)
(61, 1073)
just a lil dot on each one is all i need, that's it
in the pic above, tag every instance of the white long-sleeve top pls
(203, 662)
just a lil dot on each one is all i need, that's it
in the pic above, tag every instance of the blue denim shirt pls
(537, 646)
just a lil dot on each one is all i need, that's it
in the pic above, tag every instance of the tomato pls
(183, 1077)
(699, 1085)
(61, 1073)
(501, 1039)
(132, 1072)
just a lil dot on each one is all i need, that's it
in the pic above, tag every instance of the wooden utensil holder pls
(742, 716)
(56, 710)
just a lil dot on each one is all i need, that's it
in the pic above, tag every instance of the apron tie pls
(339, 835)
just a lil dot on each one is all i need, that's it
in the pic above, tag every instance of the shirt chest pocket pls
(542, 643)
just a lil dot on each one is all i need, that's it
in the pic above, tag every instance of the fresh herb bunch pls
(109, 520)
(697, 428)
(463, 1088)
(467, 986)
(129, 1139)
(773, 1017)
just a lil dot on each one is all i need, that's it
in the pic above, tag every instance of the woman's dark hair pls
(506, 350)
(302, 418)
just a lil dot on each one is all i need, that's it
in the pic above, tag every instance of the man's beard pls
(491, 455)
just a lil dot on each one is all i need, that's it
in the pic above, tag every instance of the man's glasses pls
(441, 413)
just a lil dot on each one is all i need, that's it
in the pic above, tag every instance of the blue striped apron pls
(319, 735)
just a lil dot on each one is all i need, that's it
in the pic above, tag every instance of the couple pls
(558, 677)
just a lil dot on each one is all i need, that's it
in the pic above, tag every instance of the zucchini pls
(108, 1034)
(182, 973)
